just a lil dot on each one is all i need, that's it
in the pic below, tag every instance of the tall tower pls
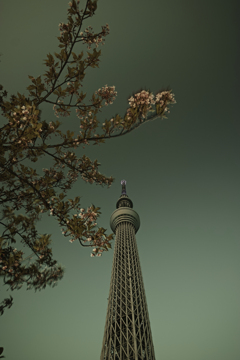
(127, 333)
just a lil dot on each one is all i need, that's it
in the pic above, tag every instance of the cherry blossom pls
(24, 135)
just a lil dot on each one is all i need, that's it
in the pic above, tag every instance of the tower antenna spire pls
(123, 182)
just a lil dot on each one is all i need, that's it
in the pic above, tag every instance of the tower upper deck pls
(124, 211)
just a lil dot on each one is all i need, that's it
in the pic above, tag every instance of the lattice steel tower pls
(127, 333)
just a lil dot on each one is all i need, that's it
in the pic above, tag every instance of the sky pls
(182, 174)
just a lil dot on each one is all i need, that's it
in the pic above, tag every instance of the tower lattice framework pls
(127, 333)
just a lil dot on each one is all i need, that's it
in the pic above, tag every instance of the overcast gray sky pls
(182, 173)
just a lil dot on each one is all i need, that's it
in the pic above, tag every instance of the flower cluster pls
(24, 124)
(20, 116)
(88, 220)
(98, 254)
(142, 101)
(91, 38)
(108, 93)
(164, 98)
